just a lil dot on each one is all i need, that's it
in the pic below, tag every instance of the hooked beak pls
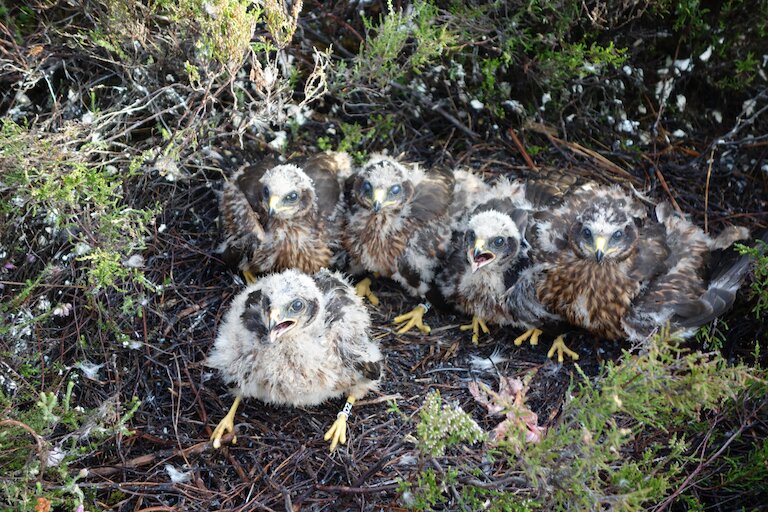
(379, 195)
(478, 256)
(278, 326)
(601, 243)
(273, 201)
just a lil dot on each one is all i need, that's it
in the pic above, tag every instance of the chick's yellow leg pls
(476, 326)
(559, 346)
(533, 334)
(337, 434)
(249, 277)
(414, 318)
(227, 424)
(363, 289)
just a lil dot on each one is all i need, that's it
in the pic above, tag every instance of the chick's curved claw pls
(476, 326)
(532, 334)
(363, 289)
(227, 424)
(414, 318)
(559, 346)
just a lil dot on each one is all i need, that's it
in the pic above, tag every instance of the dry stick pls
(663, 184)
(596, 157)
(356, 490)
(150, 458)
(521, 148)
(706, 190)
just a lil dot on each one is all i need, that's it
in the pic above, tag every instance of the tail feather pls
(721, 292)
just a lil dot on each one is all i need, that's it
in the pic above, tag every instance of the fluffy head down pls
(492, 236)
(383, 184)
(285, 191)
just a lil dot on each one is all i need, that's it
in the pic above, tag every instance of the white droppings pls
(704, 57)
(683, 65)
(82, 248)
(628, 126)
(135, 261)
(627, 70)
(476, 104)
(177, 477)
(43, 304)
(748, 107)
(545, 98)
(679, 133)
(162, 228)
(718, 116)
(664, 89)
(680, 101)
(279, 141)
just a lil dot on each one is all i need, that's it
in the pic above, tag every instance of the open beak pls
(278, 326)
(478, 256)
(379, 195)
(601, 244)
(273, 202)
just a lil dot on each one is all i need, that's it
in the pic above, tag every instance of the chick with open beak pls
(297, 339)
(482, 268)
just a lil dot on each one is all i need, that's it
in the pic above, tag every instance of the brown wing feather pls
(432, 197)
(325, 170)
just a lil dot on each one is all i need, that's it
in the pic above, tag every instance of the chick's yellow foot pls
(337, 434)
(227, 424)
(249, 277)
(476, 325)
(533, 334)
(413, 318)
(363, 289)
(559, 346)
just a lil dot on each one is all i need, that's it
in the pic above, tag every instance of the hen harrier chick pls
(299, 340)
(276, 217)
(489, 251)
(398, 226)
(607, 267)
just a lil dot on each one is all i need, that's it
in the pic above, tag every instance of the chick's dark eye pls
(266, 191)
(395, 190)
(297, 305)
(367, 188)
(498, 241)
(618, 234)
(587, 233)
(292, 197)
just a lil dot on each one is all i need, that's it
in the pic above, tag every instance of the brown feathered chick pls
(605, 265)
(276, 217)
(399, 226)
